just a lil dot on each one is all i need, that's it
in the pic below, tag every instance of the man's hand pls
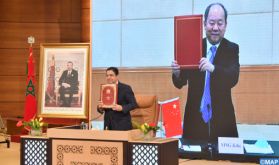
(66, 85)
(100, 107)
(100, 104)
(175, 68)
(117, 107)
(206, 65)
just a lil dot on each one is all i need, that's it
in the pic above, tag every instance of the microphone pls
(97, 117)
(83, 125)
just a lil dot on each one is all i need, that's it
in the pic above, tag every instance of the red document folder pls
(188, 40)
(108, 95)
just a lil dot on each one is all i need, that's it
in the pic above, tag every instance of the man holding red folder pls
(209, 111)
(118, 116)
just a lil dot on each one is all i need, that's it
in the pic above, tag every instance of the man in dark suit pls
(118, 117)
(209, 111)
(68, 84)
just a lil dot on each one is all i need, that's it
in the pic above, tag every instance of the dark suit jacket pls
(224, 77)
(115, 120)
(72, 79)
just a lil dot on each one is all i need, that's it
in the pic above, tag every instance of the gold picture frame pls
(64, 80)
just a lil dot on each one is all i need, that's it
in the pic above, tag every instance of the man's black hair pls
(208, 8)
(114, 69)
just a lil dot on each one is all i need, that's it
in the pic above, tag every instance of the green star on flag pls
(30, 90)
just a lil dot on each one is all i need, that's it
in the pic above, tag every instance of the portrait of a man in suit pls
(65, 80)
(68, 85)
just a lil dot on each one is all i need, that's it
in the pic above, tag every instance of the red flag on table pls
(171, 117)
(30, 99)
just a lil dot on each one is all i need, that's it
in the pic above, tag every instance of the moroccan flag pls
(171, 117)
(30, 100)
(51, 80)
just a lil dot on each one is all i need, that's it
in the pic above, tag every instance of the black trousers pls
(63, 91)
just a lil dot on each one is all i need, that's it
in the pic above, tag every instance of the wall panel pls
(106, 10)
(106, 45)
(147, 43)
(13, 88)
(48, 21)
(85, 4)
(142, 9)
(255, 96)
(85, 25)
(257, 108)
(15, 34)
(236, 6)
(258, 81)
(40, 11)
(250, 24)
(256, 46)
(275, 58)
(11, 109)
(276, 5)
(14, 61)
(75, 10)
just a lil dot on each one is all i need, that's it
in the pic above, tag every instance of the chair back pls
(147, 111)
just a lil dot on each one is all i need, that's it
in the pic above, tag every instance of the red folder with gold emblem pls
(188, 40)
(108, 95)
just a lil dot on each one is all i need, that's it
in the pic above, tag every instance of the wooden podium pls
(69, 146)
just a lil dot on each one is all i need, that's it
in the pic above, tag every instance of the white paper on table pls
(179, 144)
(252, 148)
(192, 148)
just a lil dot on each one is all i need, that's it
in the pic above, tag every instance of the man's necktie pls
(206, 107)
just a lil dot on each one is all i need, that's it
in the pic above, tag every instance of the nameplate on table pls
(229, 145)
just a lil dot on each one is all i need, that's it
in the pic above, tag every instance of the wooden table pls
(75, 146)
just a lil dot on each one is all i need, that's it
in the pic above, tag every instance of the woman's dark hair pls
(114, 69)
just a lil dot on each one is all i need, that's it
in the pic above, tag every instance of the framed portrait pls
(64, 80)
(108, 95)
